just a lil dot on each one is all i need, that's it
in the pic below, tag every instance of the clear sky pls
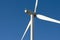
(13, 20)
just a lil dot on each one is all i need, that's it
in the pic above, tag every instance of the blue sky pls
(13, 20)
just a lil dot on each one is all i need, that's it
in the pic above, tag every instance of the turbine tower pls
(39, 16)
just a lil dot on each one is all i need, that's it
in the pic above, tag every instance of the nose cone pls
(34, 14)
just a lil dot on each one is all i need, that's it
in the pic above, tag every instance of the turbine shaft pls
(42, 17)
(26, 30)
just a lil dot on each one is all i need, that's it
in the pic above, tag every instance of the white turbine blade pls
(35, 6)
(42, 17)
(26, 30)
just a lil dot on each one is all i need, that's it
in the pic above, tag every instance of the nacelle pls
(29, 12)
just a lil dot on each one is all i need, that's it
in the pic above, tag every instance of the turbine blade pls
(42, 17)
(26, 30)
(35, 6)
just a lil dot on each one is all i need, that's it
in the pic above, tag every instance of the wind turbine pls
(39, 16)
